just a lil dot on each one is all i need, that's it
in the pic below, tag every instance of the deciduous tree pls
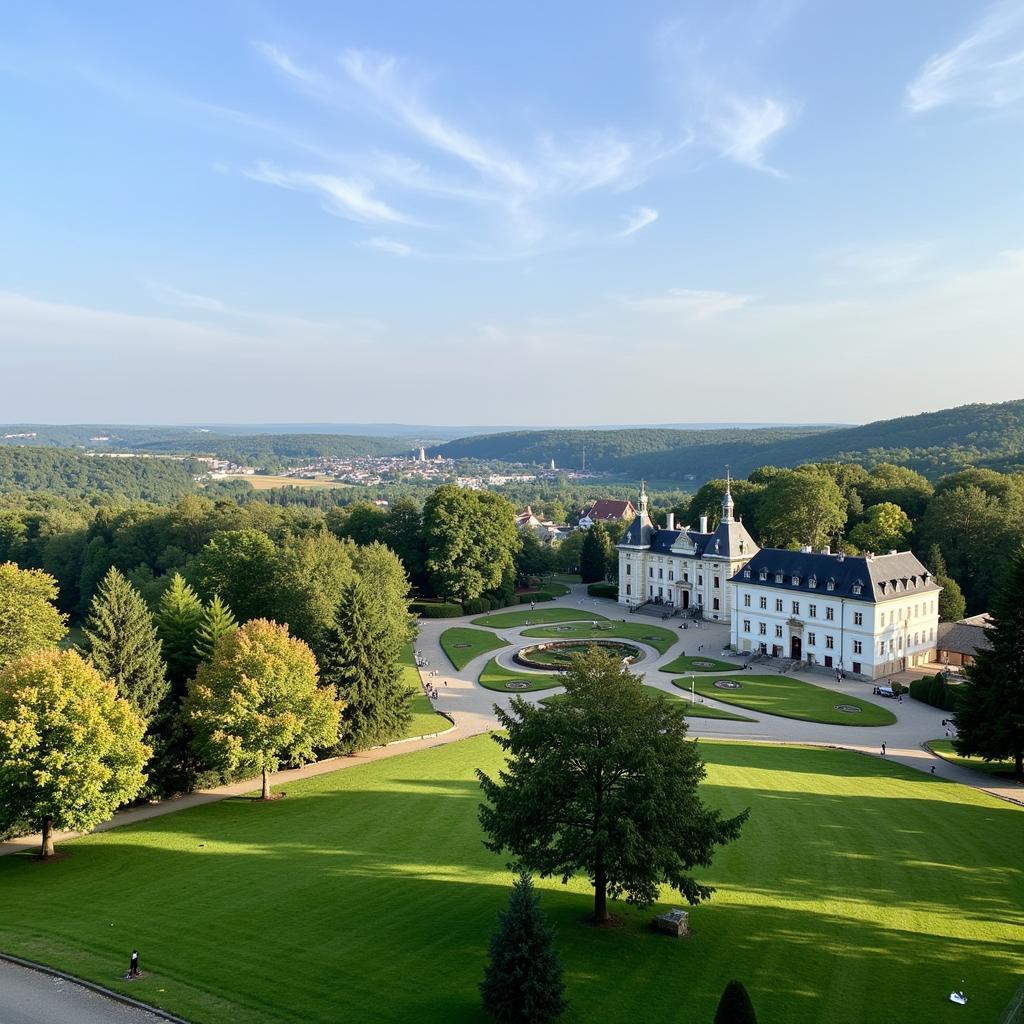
(256, 704)
(801, 506)
(885, 526)
(28, 620)
(71, 749)
(603, 782)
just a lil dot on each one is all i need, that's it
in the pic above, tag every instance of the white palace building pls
(868, 615)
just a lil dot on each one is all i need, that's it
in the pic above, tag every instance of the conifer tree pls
(990, 705)
(178, 619)
(595, 554)
(217, 620)
(122, 643)
(735, 1006)
(362, 663)
(523, 981)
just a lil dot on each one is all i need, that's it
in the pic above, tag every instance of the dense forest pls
(931, 443)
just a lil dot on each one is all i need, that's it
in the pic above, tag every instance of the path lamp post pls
(693, 700)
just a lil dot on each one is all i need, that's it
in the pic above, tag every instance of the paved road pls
(31, 997)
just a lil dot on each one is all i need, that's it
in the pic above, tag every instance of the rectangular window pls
(858, 647)
(714, 604)
(629, 589)
(700, 598)
(717, 584)
(746, 600)
(778, 604)
(881, 647)
(746, 625)
(796, 607)
(650, 573)
(830, 614)
(778, 631)
(700, 579)
(892, 646)
(686, 577)
(661, 574)
(812, 639)
(856, 668)
(812, 610)
(762, 628)
(763, 604)
(830, 642)
(858, 618)
(671, 574)
(629, 569)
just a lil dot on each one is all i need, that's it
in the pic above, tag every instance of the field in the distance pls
(859, 891)
(265, 483)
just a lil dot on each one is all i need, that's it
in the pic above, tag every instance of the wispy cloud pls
(742, 127)
(985, 69)
(343, 197)
(185, 300)
(696, 304)
(638, 219)
(878, 265)
(389, 245)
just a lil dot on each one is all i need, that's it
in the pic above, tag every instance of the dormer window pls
(764, 575)
(746, 574)
(778, 577)
(812, 582)
(857, 588)
(831, 585)
(795, 580)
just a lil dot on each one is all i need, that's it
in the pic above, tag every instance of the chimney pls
(670, 521)
(826, 550)
(703, 524)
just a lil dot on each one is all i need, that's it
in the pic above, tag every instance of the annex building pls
(683, 568)
(869, 615)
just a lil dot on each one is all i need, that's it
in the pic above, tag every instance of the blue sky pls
(530, 213)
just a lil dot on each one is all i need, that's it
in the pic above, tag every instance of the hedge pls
(428, 610)
(603, 590)
(934, 690)
(477, 605)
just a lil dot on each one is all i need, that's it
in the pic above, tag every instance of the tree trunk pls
(266, 782)
(600, 894)
(46, 848)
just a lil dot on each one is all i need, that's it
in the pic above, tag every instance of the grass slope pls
(508, 620)
(685, 663)
(999, 769)
(425, 719)
(494, 677)
(367, 894)
(462, 645)
(654, 636)
(787, 697)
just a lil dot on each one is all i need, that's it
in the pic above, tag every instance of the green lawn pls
(462, 645)
(555, 697)
(654, 636)
(425, 719)
(688, 663)
(507, 620)
(944, 749)
(494, 677)
(787, 697)
(859, 891)
(692, 710)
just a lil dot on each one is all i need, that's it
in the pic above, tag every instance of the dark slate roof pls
(963, 637)
(880, 577)
(640, 532)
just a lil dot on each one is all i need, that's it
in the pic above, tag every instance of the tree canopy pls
(28, 619)
(603, 782)
(71, 749)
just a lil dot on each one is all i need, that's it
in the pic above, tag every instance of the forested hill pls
(68, 473)
(932, 443)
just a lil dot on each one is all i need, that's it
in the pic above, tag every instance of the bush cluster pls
(603, 590)
(429, 610)
(936, 691)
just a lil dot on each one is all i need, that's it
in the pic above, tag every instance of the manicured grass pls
(787, 697)
(425, 719)
(654, 636)
(462, 645)
(691, 710)
(859, 890)
(556, 697)
(699, 710)
(944, 749)
(494, 677)
(508, 620)
(685, 663)
(548, 586)
(565, 577)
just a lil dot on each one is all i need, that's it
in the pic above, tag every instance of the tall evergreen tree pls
(990, 708)
(217, 621)
(362, 663)
(122, 643)
(735, 1006)
(595, 554)
(523, 980)
(178, 618)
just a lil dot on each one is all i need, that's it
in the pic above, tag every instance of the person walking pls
(133, 964)
(883, 748)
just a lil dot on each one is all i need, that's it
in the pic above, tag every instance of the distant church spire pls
(643, 497)
(727, 506)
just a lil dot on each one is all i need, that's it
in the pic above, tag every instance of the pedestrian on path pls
(133, 965)
(883, 748)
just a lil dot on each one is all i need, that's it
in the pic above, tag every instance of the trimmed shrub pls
(735, 1006)
(603, 590)
(427, 610)
(477, 605)
(934, 690)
